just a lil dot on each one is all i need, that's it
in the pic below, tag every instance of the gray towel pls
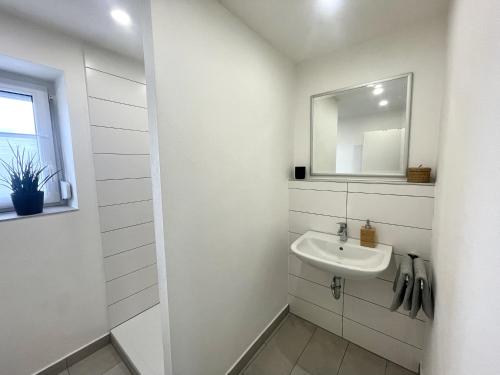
(422, 291)
(401, 288)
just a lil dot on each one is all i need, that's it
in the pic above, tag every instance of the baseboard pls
(75, 356)
(124, 356)
(243, 360)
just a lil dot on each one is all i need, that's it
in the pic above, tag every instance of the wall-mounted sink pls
(343, 259)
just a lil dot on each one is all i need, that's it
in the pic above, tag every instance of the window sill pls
(8, 216)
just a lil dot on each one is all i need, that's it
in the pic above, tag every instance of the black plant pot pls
(28, 203)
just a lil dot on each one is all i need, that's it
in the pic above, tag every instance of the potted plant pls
(26, 178)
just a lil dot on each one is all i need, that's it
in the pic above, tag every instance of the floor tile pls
(97, 363)
(297, 370)
(119, 369)
(358, 361)
(281, 352)
(323, 354)
(393, 369)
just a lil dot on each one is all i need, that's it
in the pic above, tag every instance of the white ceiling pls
(85, 19)
(304, 29)
(301, 29)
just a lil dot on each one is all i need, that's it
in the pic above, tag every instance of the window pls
(26, 123)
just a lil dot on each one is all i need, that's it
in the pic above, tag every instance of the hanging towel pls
(402, 288)
(422, 291)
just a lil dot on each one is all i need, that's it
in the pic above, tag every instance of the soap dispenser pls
(367, 235)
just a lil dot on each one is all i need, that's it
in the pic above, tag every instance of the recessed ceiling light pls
(327, 7)
(378, 86)
(378, 91)
(383, 103)
(121, 17)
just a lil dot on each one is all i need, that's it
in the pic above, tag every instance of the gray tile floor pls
(105, 361)
(299, 347)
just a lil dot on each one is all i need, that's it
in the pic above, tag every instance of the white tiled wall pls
(402, 215)
(120, 143)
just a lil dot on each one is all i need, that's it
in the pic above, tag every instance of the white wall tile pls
(398, 326)
(110, 62)
(318, 185)
(129, 261)
(318, 202)
(132, 283)
(119, 141)
(314, 293)
(116, 115)
(417, 190)
(396, 351)
(123, 191)
(129, 307)
(121, 166)
(391, 209)
(377, 291)
(303, 270)
(292, 237)
(127, 238)
(321, 317)
(390, 273)
(124, 215)
(404, 240)
(106, 86)
(302, 222)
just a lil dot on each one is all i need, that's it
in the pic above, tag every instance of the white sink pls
(343, 259)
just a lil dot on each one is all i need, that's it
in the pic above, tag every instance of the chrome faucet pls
(342, 232)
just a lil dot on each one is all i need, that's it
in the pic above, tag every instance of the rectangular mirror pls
(362, 130)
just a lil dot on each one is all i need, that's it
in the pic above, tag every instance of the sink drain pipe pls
(336, 286)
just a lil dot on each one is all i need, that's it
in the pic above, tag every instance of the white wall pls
(464, 336)
(222, 125)
(362, 314)
(52, 278)
(119, 122)
(420, 50)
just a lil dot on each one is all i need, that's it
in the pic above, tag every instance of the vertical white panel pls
(301, 222)
(128, 238)
(111, 192)
(121, 166)
(394, 350)
(132, 283)
(135, 304)
(398, 326)
(125, 215)
(317, 294)
(124, 263)
(321, 317)
(119, 141)
(403, 239)
(319, 202)
(117, 115)
(105, 86)
(305, 271)
(391, 209)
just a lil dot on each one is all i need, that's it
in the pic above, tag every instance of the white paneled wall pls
(402, 215)
(120, 143)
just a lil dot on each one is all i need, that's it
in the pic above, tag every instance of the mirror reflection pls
(362, 130)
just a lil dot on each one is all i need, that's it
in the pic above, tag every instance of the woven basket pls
(419, 175)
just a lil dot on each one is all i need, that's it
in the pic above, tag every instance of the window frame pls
(46, 126)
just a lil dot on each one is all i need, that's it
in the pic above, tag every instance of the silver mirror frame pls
(409, 96)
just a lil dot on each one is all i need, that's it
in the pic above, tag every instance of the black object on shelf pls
(300, 173)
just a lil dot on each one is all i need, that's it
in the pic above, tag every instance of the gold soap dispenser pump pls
(367, 235)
